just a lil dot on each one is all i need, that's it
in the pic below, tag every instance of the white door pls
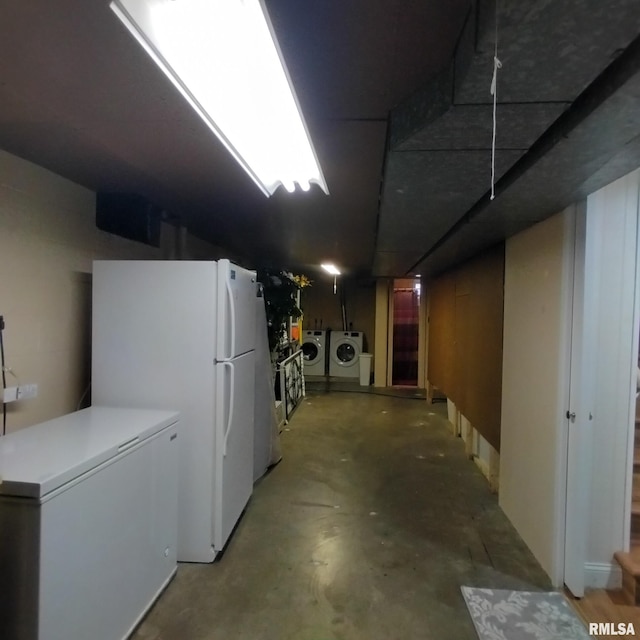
(237, 291)
(601, 402)
(235, 382)
(579, 409)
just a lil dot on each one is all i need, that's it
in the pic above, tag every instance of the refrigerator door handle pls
(232, 313)
(231, 403)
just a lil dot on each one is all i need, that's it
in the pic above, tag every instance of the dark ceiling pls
(396, 97)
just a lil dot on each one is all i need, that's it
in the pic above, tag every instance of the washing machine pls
(314, 352)
(344, 354)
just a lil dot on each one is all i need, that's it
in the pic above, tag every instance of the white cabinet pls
(88, 523)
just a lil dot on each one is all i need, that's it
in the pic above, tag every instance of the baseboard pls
(602, 575)
(482, 465)
(452, 416)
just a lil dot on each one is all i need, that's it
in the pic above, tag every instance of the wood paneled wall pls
(465, 339)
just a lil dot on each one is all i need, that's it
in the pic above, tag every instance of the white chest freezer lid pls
(37, 460)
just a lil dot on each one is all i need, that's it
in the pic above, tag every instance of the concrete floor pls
(365, 530)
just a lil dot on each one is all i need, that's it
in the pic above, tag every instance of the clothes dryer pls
(344, 354)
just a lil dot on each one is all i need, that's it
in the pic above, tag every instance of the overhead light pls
(335, 272)
(222, 55)
(332, 269)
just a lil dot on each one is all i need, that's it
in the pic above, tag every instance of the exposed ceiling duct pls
(573, 66)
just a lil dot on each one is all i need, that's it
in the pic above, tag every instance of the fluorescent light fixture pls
(332, 269)
(222, 55)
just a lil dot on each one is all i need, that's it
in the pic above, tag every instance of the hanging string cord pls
(494, 92)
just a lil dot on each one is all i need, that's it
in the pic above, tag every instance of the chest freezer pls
(88, 523)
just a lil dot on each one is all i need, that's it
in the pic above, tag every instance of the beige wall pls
(382, 312)
(537, 313)
(48, 240)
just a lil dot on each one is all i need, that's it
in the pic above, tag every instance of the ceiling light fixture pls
(335, 272)
(330, 268)
(222, 55)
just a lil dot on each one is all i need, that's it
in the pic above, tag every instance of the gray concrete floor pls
(365, 530)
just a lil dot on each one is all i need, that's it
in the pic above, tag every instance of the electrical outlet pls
(10, 395)
(26, 391)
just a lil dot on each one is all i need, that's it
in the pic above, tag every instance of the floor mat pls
(522, 615)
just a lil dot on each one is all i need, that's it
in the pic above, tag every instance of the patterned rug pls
(522, 615)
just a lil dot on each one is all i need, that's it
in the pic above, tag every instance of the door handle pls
(232, 384)
(232, 319)
(571, 415)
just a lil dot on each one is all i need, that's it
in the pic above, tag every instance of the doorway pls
(406, 323)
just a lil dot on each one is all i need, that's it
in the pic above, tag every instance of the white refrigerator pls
(180, 335)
